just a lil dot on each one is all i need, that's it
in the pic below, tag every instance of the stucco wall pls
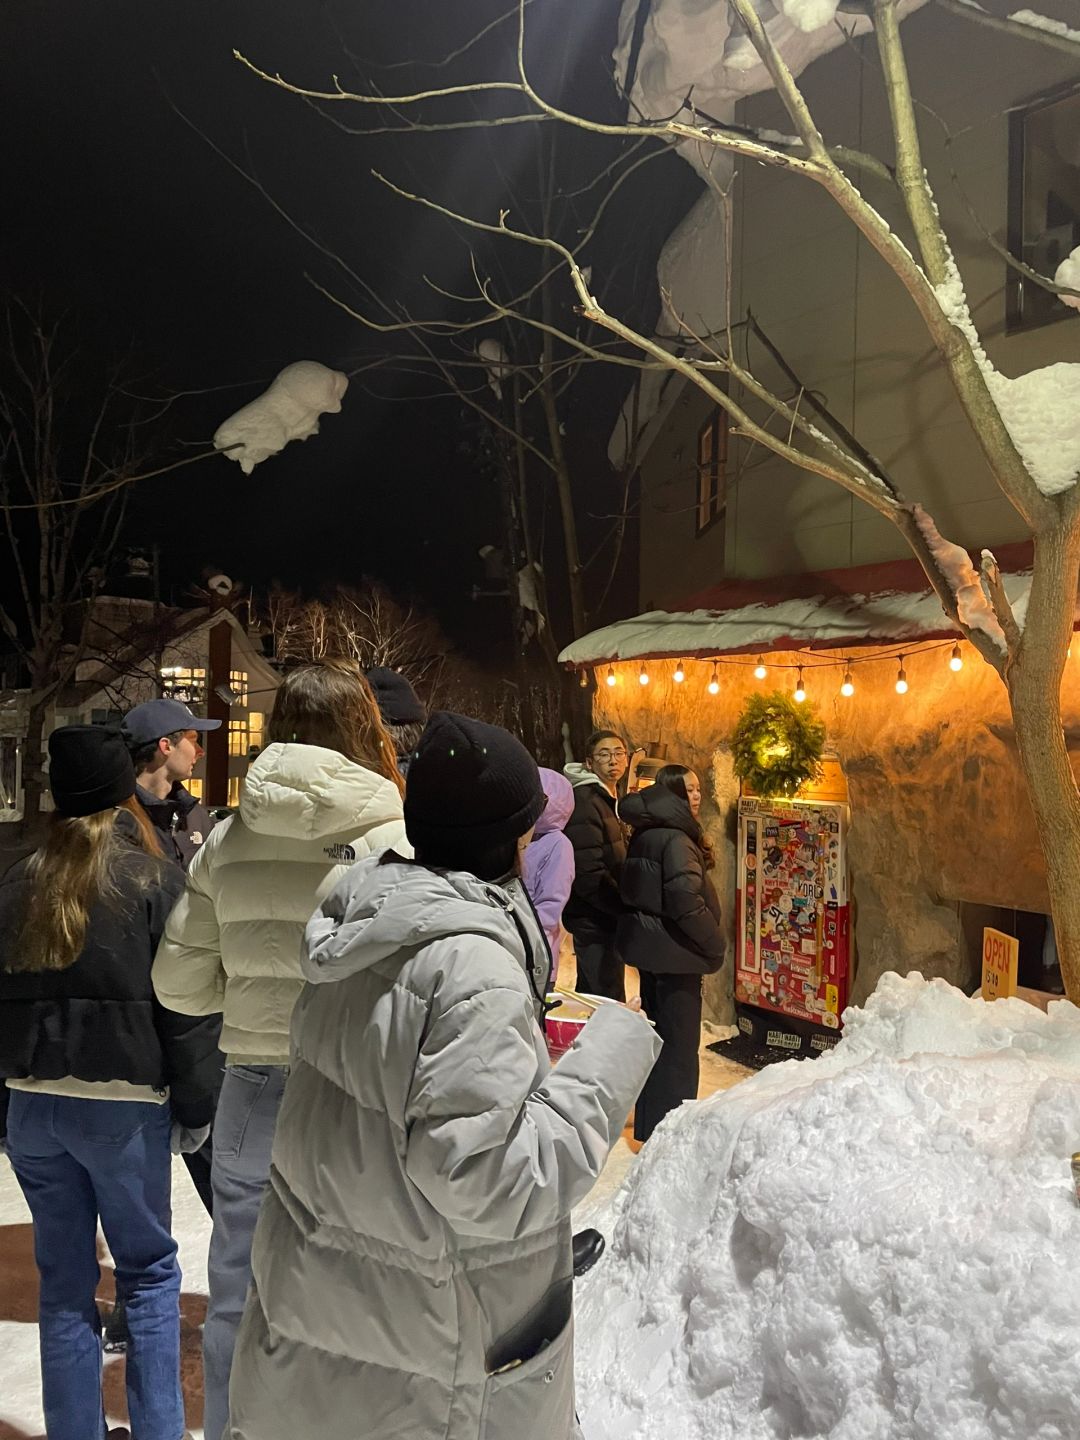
(848, 329)
(939, 811)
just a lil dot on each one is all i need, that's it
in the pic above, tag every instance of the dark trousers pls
(599, 969)
(198, 1167)
(673, 1003)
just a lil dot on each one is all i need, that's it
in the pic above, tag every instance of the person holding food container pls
(413, 1263)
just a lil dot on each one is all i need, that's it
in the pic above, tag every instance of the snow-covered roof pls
(835, 609)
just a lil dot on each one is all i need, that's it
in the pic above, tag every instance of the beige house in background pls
(137, 651)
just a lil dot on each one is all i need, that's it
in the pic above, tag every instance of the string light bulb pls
(584, 680)
(611, 676)
(643, 677)
(759, 670)
(956, 660)
(714, 683)
(800, 688)
(847, 689)
(901, 679)
(680, 673)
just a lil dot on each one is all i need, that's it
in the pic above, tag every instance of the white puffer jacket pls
(233, 942)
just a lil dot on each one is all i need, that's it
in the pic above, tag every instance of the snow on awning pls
(835, 610)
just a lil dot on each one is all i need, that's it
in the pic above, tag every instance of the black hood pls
(659, 808)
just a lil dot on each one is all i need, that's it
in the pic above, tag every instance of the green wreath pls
(777, 744)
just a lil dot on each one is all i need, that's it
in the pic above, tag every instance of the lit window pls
(712, 470)
(234, 790)
(238, 737)
(238, 682)
(257, 728)
(181, 683)
(194, 787)
(1044, 203)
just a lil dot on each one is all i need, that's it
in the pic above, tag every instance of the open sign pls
(1000, 960)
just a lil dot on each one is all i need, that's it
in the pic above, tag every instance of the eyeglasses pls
(605, 755)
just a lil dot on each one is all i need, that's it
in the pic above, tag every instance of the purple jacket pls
(548, 869)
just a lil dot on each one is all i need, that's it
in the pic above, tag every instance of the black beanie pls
(472, 789)
(398, 702)
(90, 769)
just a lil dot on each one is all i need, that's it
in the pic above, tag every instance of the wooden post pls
(217, 741)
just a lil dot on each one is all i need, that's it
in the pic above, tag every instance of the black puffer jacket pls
(98, 1019)
(599, 842)
(182, 822)
(673, 922)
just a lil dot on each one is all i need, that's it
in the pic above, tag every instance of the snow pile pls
(1068, 273)
(288, 410)
(954, 562)
(1041, 409)
(879, 1244)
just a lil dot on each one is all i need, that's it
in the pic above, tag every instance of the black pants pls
(198, 1167)
(599, 969)
(673, 1003)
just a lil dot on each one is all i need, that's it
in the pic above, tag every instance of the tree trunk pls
(1034, 681)
(33, 760)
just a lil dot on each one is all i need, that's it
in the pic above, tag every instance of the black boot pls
(589, 1245)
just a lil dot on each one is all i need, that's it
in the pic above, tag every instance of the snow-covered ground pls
(880, 1244)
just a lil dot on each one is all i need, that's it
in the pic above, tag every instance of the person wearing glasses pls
(593, 910)
(163, 737)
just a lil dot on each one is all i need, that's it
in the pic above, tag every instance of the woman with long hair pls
(413, 1261)
(671, 932)
(100, 1078)
(324, 793)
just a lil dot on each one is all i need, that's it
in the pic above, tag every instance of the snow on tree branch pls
(953, 561)
(288, 410)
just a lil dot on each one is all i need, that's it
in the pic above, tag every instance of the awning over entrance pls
(831, 609)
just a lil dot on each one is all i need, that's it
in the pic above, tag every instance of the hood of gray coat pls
(582, 775)
(385, 906)
(304, 792)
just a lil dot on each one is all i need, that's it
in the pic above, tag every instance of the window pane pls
(256, 727)
(194, 787)
(234, 789)
(238, 737)
(1047, 192)
(238, 679)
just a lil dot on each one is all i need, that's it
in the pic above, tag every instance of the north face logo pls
(340, 854)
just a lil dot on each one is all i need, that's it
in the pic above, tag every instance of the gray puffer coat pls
(412, 1263)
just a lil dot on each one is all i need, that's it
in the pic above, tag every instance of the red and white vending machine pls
(794, 954)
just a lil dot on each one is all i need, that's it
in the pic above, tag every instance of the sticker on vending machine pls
(832, 999)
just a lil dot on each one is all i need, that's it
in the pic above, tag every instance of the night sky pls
(119, 214)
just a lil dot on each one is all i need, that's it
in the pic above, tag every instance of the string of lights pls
(807, 662)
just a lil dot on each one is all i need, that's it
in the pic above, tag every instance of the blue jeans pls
(76, 1161)
(243, 1141)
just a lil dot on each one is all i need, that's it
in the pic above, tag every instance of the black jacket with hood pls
(672, 920)
(599, 842)
(99, 1019)
(182, 822)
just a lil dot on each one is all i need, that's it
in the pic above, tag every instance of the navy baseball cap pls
(155, 718)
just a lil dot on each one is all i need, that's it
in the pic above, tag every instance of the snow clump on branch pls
(1068, 273)
(1041, 409)
(288, 410)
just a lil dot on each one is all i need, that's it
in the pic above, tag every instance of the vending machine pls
(793, 929)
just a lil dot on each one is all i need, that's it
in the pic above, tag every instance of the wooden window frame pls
(710, 508)
(1016, 283)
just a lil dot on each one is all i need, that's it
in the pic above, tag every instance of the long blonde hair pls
(69, 874)
(331, 704)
